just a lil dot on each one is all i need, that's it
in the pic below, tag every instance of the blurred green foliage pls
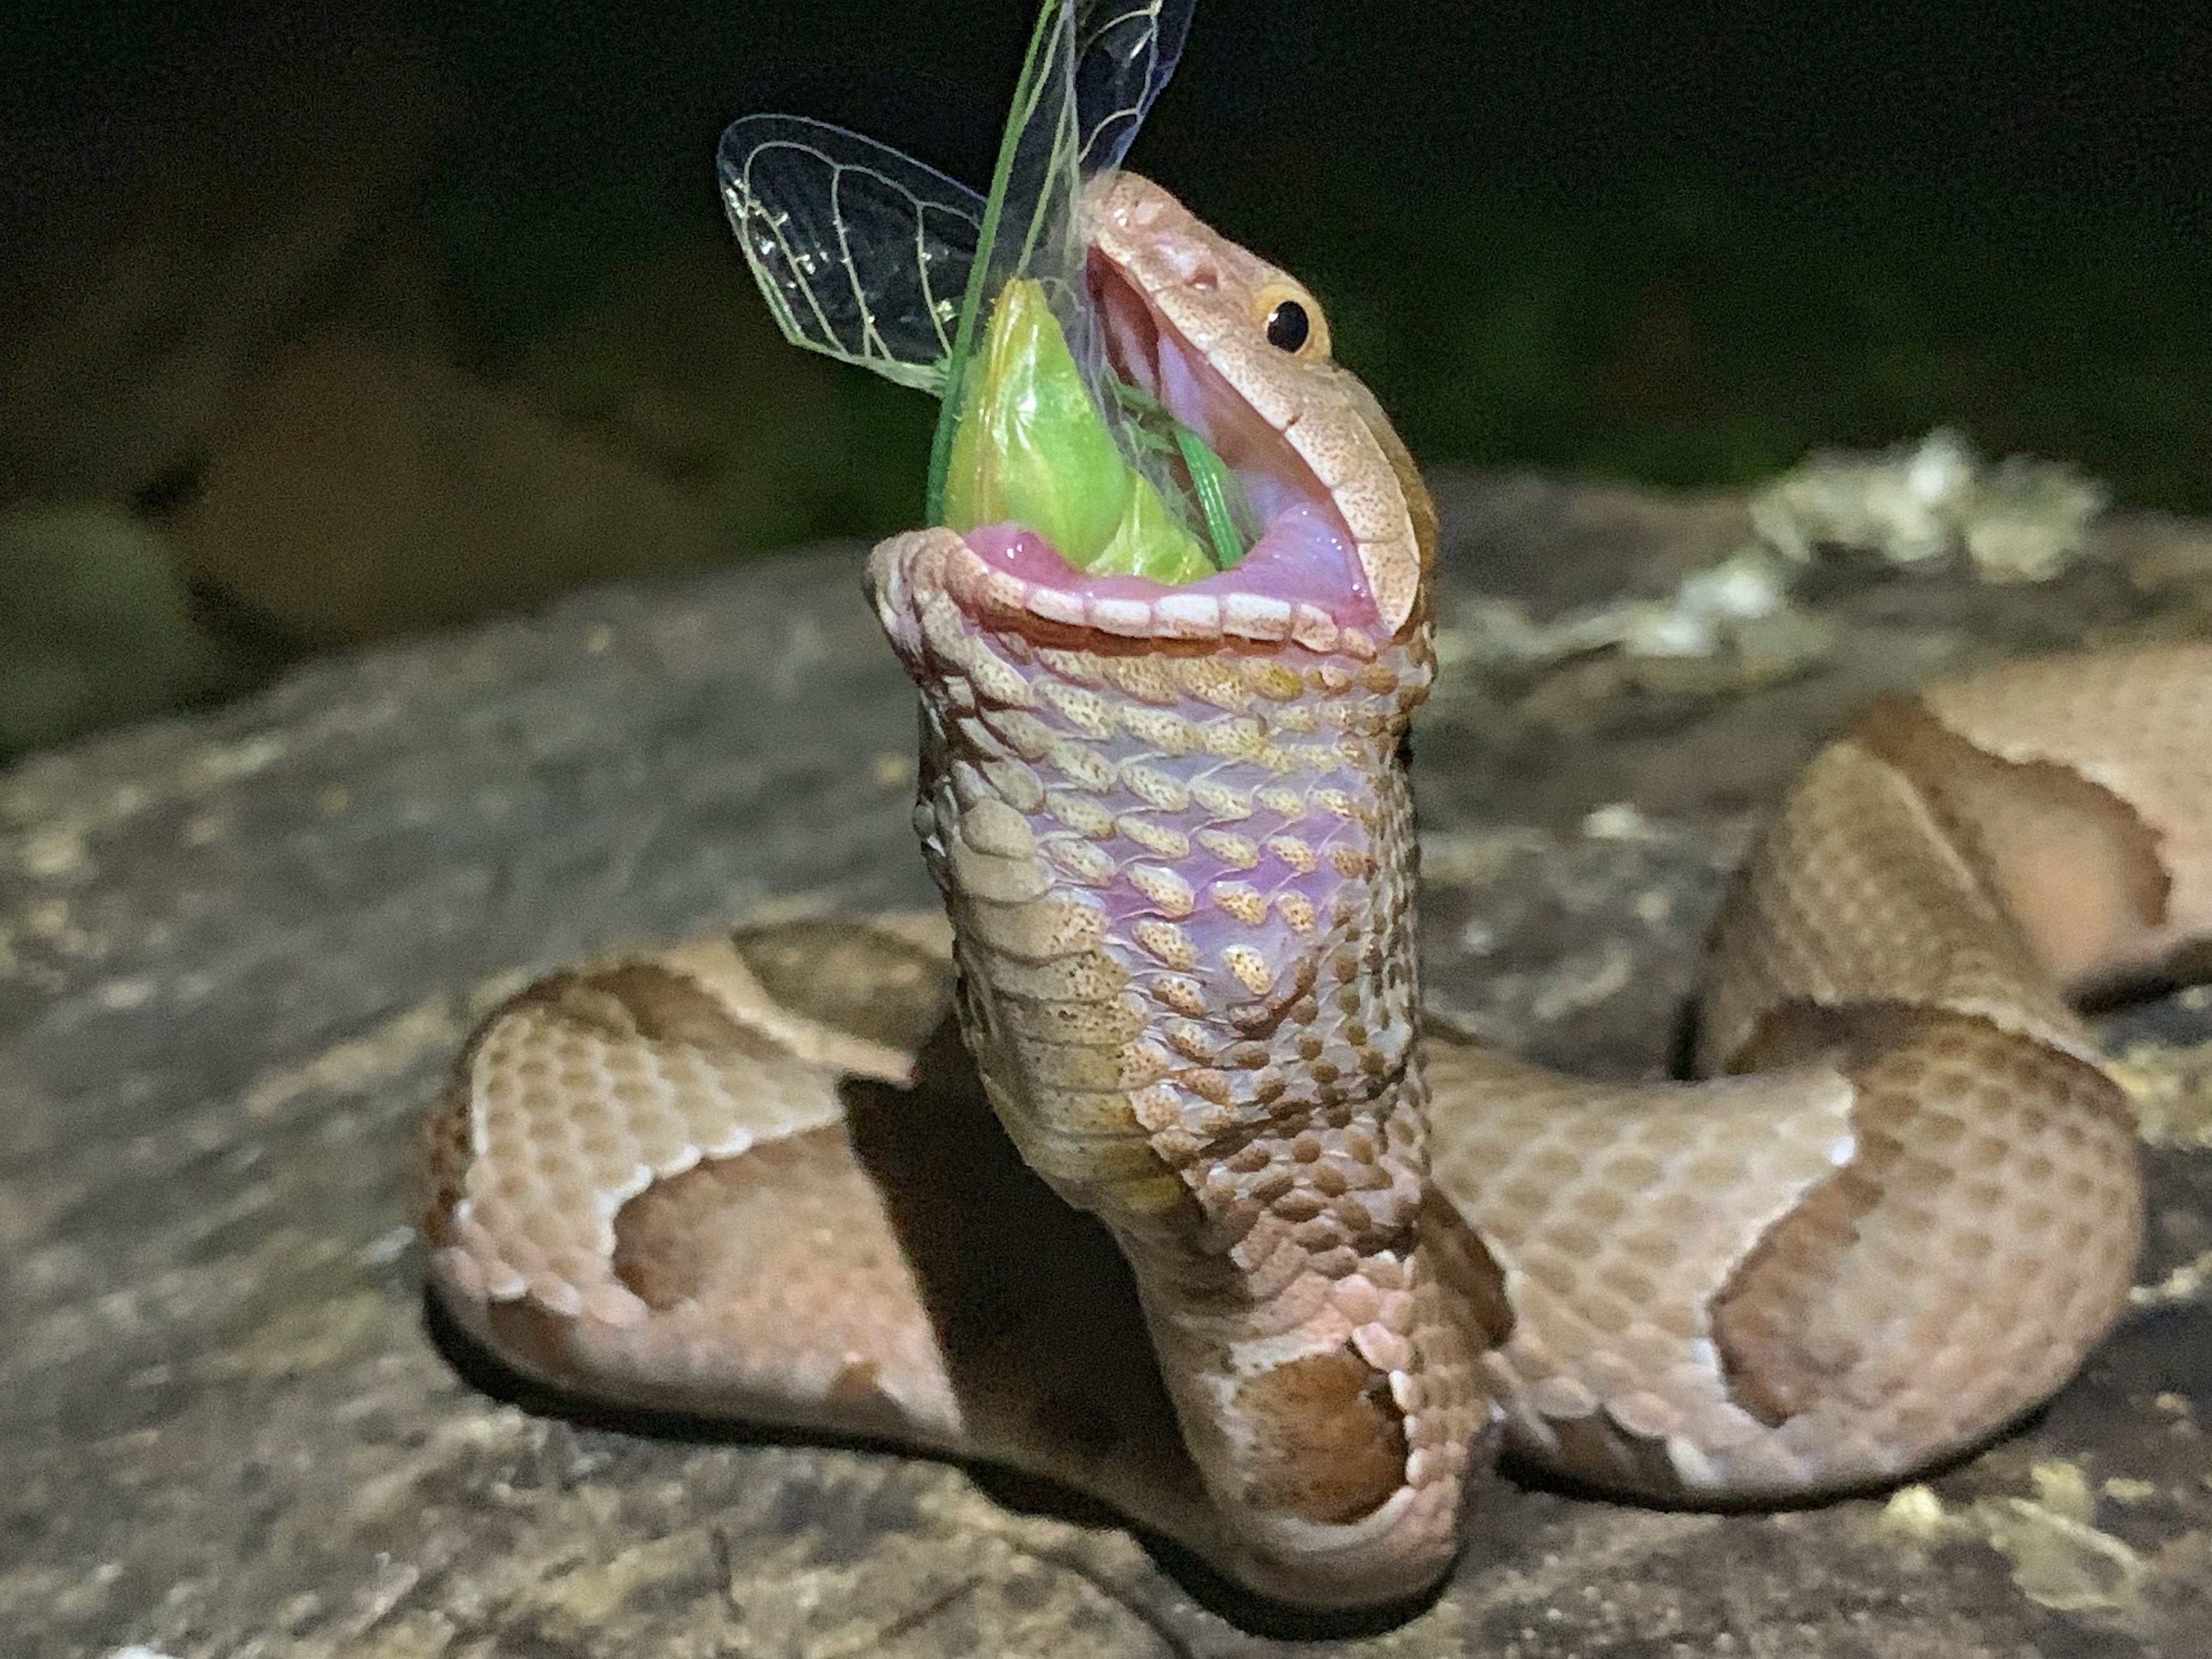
(1680, 334)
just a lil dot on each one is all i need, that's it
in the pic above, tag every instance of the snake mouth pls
(1301, 580)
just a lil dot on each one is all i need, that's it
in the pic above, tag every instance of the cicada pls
(875, 259)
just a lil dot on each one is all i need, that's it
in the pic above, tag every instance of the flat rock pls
(236, 951)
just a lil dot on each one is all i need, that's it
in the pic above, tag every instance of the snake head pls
(1237, 351)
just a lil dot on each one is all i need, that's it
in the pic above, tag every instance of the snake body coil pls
(1277, 1264)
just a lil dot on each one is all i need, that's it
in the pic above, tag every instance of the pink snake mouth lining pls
(1301, 580)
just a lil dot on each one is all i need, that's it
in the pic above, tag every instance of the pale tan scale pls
(1251, 967)
(1192, 1040)
(1171, 1197)
(1167, 942)
(1146, 678)
(1085, 1022)
(1157, 788)
(1022, 732)
(1336, 801)
(1090, 714)
(1081, 767)
(1216, 684)
(1166, 889)
(1233, 737)
(1081, 860)
(1161, 840)
(943, 629)
(998, 830)
(1088, 974)
(1278, 683)
(1220, 801)
(1171, 734)
(1181, 993)
(999, 880)
(1240, 900)
(1043, 931)
(1080, 814)
(1238, 851)
(1314, 628)
(996, 679)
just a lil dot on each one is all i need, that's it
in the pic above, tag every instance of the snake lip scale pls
(1140, 1168)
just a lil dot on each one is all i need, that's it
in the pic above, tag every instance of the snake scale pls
(1146, 1173)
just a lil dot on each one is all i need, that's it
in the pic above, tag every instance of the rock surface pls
(235, 951)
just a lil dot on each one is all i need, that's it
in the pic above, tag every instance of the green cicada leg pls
(1220, 497)
(1230, 529)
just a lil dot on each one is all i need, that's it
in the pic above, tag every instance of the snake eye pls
(1290, 318)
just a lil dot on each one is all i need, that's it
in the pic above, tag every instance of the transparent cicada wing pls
(862, 253)
(1030, 225)
(871, 258)
(1091, 72)
(1126, 49)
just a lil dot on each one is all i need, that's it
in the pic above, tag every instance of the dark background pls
(333, 322)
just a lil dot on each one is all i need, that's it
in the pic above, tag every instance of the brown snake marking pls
(1175, 1200)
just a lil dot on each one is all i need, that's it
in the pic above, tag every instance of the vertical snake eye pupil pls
(1288, 327)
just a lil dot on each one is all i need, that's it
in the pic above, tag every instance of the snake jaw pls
(1208, 300)
(1347, 532)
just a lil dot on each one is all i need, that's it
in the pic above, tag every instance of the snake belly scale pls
(1140, 1167)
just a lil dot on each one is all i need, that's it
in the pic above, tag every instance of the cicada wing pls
(1092, 69)
(1030, 224)
(862, 253)
(1126, 49)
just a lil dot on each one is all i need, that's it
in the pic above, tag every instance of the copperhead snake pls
(1141, 1168)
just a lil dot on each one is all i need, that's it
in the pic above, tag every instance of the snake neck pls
(1181, 877)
